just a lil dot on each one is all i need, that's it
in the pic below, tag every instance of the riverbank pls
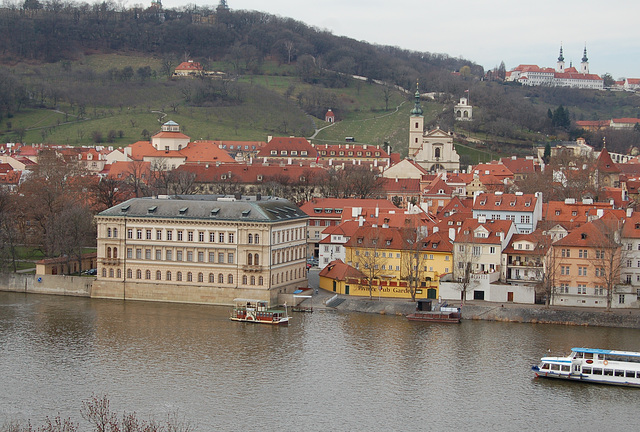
(482, 310)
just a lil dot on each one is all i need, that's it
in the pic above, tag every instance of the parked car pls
(91, 272)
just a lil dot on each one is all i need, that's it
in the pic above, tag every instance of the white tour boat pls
(593, 365)
(258, 312)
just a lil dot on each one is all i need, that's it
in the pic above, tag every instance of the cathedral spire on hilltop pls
(584, 56)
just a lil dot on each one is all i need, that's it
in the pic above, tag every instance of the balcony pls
(252, 268)
(110, 261)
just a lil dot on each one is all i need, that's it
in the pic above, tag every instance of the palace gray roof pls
(209, 207)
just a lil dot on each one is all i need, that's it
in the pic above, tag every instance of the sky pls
(484, 32)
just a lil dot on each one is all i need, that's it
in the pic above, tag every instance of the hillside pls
(83, 76)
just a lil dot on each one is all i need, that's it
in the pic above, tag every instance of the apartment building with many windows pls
(201, 249)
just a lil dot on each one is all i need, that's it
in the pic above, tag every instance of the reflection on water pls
(325, 371)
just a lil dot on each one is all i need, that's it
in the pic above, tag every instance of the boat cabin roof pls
(603, 351)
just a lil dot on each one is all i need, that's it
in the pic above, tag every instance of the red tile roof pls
(280, 144)
(590, 234)
(494, 227)
(338, 270)
(505, 202)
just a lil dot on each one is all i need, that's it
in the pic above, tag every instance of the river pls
(326, 371)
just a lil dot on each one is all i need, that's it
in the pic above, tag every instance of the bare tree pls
(608, 257)
(464, 259)
(367, 254)
(413, 259)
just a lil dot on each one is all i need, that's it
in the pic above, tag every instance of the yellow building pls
(395, 261)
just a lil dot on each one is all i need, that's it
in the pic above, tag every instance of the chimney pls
(629, 212)
(452, 234)
(269, 138)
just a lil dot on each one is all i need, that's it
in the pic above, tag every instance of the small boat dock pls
(443, 314)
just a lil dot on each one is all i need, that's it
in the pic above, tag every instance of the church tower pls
(560, 65)
(416, 126)
(584, 66)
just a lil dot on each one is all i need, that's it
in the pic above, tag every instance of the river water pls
(326, 371)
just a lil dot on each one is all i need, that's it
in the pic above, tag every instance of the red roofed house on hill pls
(330, 117)
(189, 68)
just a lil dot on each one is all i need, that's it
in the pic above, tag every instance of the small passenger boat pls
(257, 311)
(593, 365)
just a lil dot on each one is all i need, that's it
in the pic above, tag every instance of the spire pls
(561, 58)
(584, 56)
(417, 109)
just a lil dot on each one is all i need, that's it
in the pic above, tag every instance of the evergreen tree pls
(547, 153)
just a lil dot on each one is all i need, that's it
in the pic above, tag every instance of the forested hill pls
(53, 30)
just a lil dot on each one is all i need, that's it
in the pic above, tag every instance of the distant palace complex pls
(534, 75)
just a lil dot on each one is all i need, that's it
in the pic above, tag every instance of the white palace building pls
(534, 75)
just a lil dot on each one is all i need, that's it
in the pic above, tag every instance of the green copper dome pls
(417, 109)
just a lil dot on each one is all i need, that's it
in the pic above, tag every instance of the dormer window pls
(303, 153)
(583, 236)
(512, 203)
(557, 212)
(274, 152)
(527, 204)
(360, 240)
(574, 213)
(294, 153)
(388, 242)
(483, 202)
(283, 152)
(259, 177)
(435, 245)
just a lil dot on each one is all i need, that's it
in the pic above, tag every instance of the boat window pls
(566, 368)
(608, 372)
(638, 374)
(545, 366)
(619, 373)
(588, 355)
(579, 355)
(630, 374)
(555, 367)
(586, 370)
(597, 371)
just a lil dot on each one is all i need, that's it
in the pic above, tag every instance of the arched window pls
(115, 252)
(250, 238)
(230, 279)
(119, 274)
(104, 272)
(437, 153)
(108, 232)
(115, 233)
(189, 277)
(168, 275)
(111, 272)
(108, 252)
(256, 259)
(249, 259)
(256, 239)
(244, 279)
(179, 276)
(253, 280)
(200, 277)
(158, 275)
(212, 278)
(260, 280)
(147, 274)
(278, 278)
(138, 274)
(129, 273)
(220, 278)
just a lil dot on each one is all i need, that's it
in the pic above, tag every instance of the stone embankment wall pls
(569, 316)
(46, 284)
(509, 313)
